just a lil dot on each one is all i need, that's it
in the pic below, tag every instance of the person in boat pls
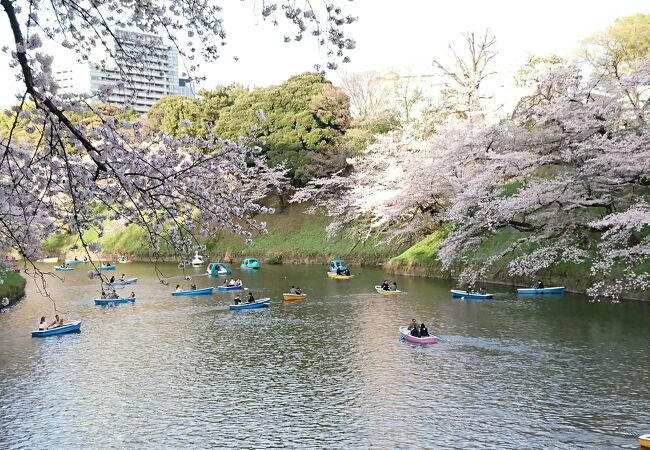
(539, 285)
(232, 282)
(339, 271)
(178, 288)
(298, 291)
(58, 322)
(470, 289)
(394, 286)
(346, 272)
(103, 295)
(123, 277)
(237, 300)
(43, 324)
(412, 325)
(251, 299)
(423, 330)
(292, 290)
(75, 258)
(113, 294)
(193, 287)
(112, 280)
(85, 259)
(225, 282)
(384, 286)
(238, 283)
(132, 294)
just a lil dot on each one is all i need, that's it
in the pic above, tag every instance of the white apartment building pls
(140, 68)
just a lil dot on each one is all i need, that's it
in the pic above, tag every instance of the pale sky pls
(395, 34)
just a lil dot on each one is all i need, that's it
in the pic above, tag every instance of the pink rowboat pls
(406, 335)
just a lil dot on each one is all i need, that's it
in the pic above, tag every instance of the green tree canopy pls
(305, 119)
(628, 39)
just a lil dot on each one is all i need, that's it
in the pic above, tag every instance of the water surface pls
(327, 372)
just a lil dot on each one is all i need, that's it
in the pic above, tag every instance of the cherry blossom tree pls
(569, 177)
(73, 176)
(566, 177)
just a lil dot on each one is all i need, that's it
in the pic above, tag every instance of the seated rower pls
(58, 321)
(103, 295)
(237, 300)
(113, 294)
(42, 325)
(384, 285)
(292, 290)
(231, 283)
(346, 272)
(423, 331)
(193, 287)
(112, 280)
(394, 286)
(251, 299)
(225, 282)
(412, 325)
(339, 271)
(178, 288)
(540, 284)
(298, 291)
(238, 283)
(132, 295)
(122, 278)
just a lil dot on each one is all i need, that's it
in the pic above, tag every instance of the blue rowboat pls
(216, 268)
(457, 293)
(123, 283)
(204, 291)
(261, 303)
(230, 288)
(62, 269)
(113, 301)
(66, 328)
(75, 261)
(112, 267)
(250, 263)
(549, 290)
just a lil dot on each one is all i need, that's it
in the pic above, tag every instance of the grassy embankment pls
(13, 287)
(293, 237)
(421, 260)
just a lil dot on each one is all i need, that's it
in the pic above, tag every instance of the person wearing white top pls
(232, 282)
(238, 283)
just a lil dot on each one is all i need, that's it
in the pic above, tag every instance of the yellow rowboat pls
(293, 297)
(380, 291)
(53, 259)
(644, 440)
(339, 277)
